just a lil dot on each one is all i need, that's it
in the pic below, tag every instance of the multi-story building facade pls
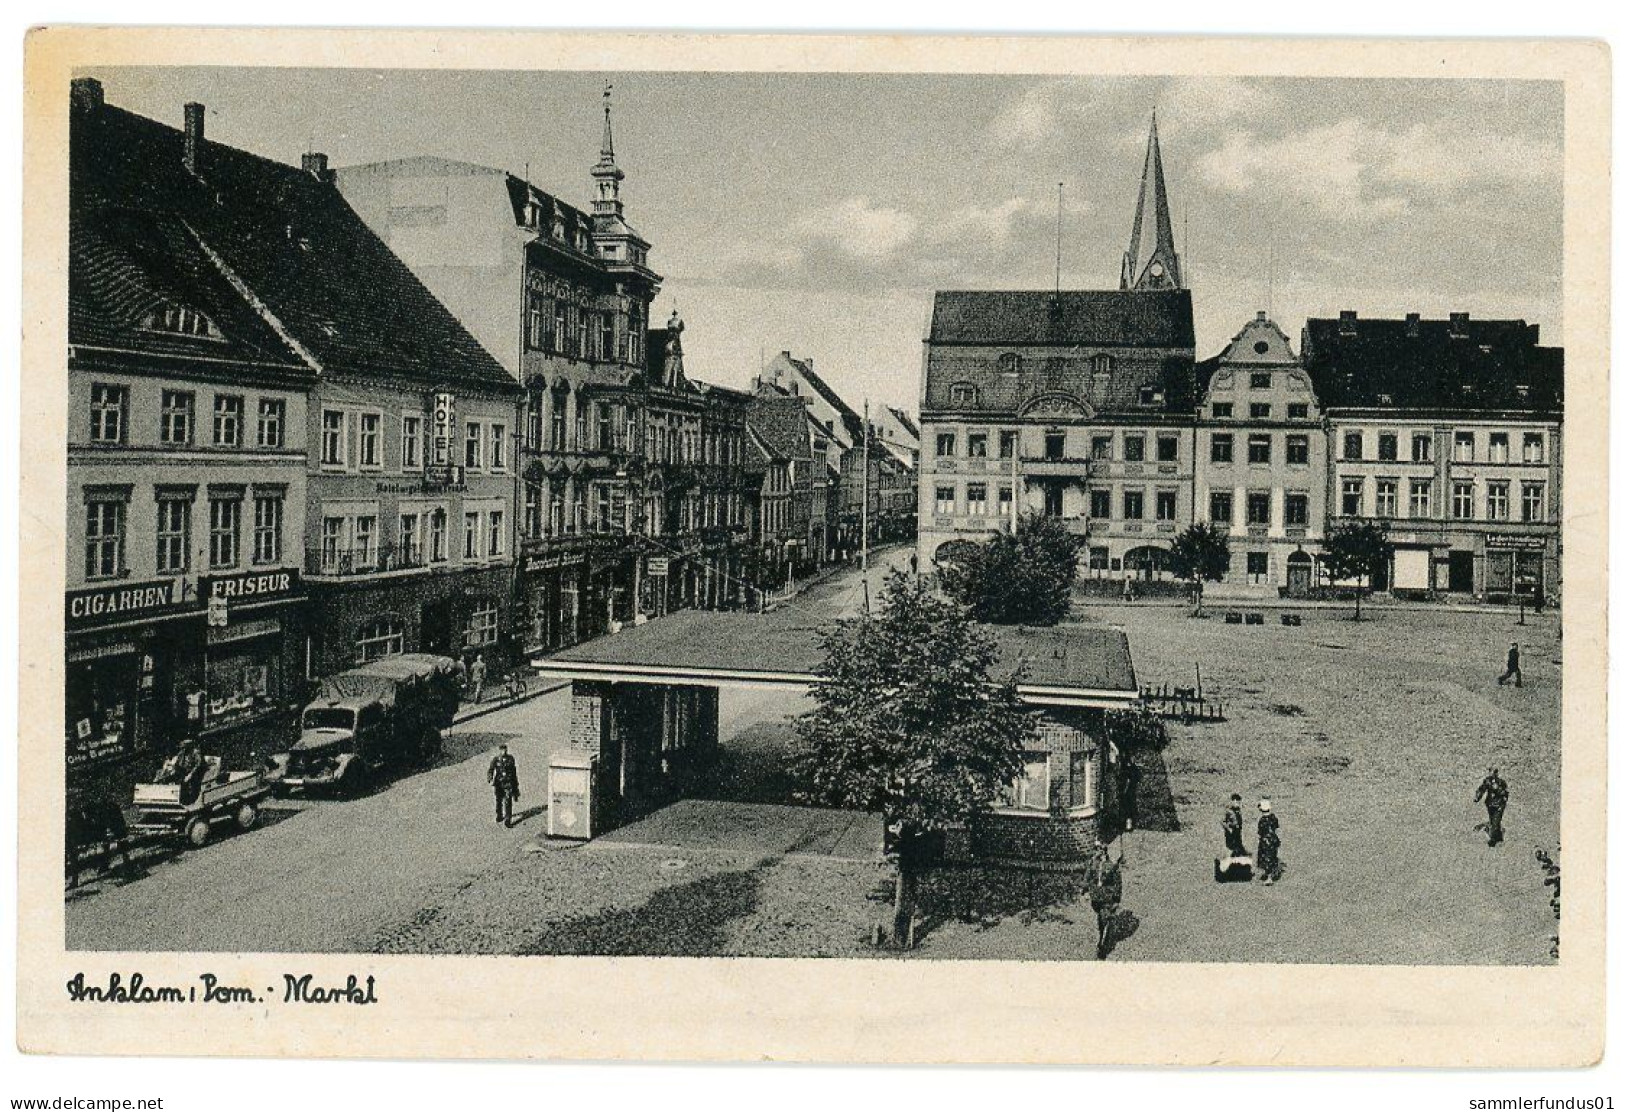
(1450, 431)
(186, 465)
(560, 296)
(1073, 404)
(780, 434)
(1261, 458)
(729, 494)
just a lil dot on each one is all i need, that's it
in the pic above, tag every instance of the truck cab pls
(340, 741)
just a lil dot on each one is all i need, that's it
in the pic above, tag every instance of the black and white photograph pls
(953, 517)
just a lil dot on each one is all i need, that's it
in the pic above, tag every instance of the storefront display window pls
(380, 638)
(243, 677)
(482, 627)
(101, 694)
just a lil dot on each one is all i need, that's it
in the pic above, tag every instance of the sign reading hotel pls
(442, 429)
(118, 601)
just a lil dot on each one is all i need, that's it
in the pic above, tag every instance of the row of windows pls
(1260, 411)
(555, 323)
(1498, 447)
(1464, 502)
(107, 523)
(352, 542)
(1259, 506)
(386, 636)
(1101, 447)
(178, 418)
(1260, 448)
(484, 445)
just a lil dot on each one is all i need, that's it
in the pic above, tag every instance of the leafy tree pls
(1024, 579)
(1357, 550)
(1200, 553)
(909, 721)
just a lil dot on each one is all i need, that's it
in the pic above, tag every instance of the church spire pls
(607, 176)
(1151, 262)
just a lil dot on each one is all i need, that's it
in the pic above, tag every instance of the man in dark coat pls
(1269, 843)
(1514, 670)
(504, 777)
(1105, 880)
(1232, 826)
(1493, 791)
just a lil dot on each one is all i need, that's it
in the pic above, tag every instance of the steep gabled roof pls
(780, 420)
(1461, 364)
(311, 265)
(905, 420)
(126, 267)
(1070, 318)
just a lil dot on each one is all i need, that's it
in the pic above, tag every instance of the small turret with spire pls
(1151, 262)
(607, 176)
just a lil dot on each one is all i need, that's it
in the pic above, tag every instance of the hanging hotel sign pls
(555, 561)
(118, 601)
(442, 429)
(658, 566)
(1519, 541)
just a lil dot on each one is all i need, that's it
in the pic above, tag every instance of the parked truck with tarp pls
(379, 718)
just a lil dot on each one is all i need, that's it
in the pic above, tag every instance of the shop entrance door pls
(438, 633)
(1461, 571)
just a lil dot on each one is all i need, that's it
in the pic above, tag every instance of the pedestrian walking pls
(1232, 825)
(1493, 791)
(476, 677)
(504, 777)
(1269, 843)
(1105, 879)
(1514, 671)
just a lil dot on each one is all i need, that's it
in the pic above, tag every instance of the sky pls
(817, 213)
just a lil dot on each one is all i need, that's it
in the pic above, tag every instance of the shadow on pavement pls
(688, 920)
(1155, 808)
(985, 896)
(455, 748)
(752, 767)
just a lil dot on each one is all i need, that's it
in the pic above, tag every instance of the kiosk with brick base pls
(644, 718)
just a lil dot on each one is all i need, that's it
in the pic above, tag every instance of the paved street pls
(329, 875)
(1369, 738)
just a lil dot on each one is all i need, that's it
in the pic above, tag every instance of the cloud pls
(1352, 170)
(1187, 108)
(859, 228)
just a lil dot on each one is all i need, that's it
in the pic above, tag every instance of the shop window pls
(109, 407)
(100, 705)
(178, 417)
(379, 638)
(273, 422)
(481, 628)
(225, 530)
(243, 679)
(228, 420)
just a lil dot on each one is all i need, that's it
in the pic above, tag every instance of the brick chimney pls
(314, 163)
(1413, 325)
(1346, 322)
(1458, 326)
(85, 94)
(194, 136)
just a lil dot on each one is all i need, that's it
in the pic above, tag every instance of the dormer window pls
(181, 320)
(1010, 363)
(1385, 399)
(964, 393)
(1150, 395)
(558, 227)
(1101, 365)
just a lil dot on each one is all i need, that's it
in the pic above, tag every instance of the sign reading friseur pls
(115, 602)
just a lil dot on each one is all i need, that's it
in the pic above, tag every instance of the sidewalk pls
(1212, 604)
(497, 698)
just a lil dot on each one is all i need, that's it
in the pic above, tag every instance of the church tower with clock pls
(1151, 262)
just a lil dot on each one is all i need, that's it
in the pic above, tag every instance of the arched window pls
(379, 638)
(964, 393)
(1101, 365)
